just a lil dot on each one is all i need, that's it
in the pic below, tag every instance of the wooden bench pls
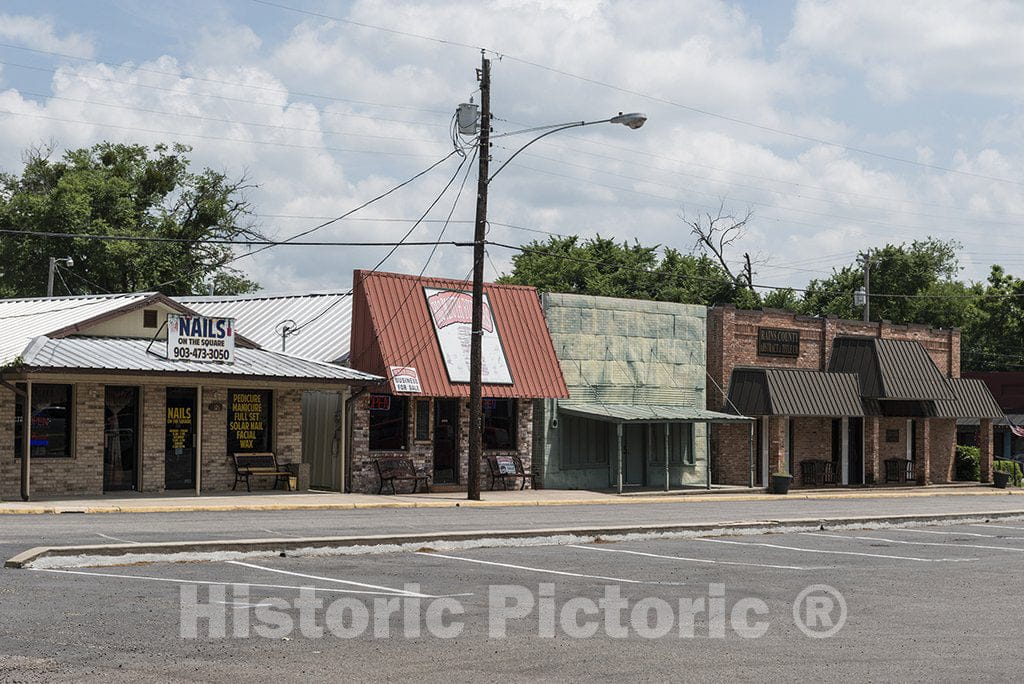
(260, 464)
(507, 468)
(391, 469)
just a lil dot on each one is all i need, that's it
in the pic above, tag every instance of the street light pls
(632, 120)
(67, 261)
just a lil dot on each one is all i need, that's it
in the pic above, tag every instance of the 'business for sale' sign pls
(200, 338)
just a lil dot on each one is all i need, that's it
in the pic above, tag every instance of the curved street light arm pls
(562, 127)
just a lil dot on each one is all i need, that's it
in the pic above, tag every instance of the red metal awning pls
(392, 326)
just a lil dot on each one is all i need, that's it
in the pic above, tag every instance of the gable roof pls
(23, 319)
(323, 320)
(794, 392)
(392, 326)
(890, 369)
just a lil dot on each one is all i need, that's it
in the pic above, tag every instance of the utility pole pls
(49, 278)
(476, 336)
(867, 286)
(749, 272)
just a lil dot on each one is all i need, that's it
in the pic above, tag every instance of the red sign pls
(380, 402)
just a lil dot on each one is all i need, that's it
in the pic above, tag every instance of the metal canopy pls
(795, 392)
(648, 413)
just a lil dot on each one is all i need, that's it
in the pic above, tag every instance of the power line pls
(219, 241)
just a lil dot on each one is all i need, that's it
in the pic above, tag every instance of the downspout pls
(26, 433)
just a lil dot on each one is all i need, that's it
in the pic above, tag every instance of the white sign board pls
(452, 314)
(405, 379)
(200, 338)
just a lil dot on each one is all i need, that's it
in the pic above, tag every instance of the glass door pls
(180, 453)
(120, 438)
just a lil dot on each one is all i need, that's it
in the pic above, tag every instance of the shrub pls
(968, 460)
(1012, 467)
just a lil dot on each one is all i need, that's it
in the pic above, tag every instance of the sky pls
(841, 125)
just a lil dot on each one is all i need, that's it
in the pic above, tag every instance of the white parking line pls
(958, 534)
(117, 539)
(914, 543)
(396, 592)
(541, 570)
(1001, 527)
(692, 560)
(173, 580)
(837, 553)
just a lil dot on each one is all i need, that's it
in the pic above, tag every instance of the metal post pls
(667, 486)
(26, 443)
(707, 458)
(476, 333)
(618, 441)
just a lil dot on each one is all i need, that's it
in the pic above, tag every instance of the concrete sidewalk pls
(284, 501)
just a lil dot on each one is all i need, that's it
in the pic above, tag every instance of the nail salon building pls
(105, 393)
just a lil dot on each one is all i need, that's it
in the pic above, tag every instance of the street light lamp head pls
(633, 120)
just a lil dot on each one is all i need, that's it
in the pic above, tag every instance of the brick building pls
(109, 408)
(839, 402)
(416, 332)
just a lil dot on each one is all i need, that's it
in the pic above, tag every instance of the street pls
(924, 602)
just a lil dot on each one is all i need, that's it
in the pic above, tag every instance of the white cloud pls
(40, 33)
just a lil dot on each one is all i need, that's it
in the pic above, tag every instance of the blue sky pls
(797, 111)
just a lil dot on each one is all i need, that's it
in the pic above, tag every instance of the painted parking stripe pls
(837, 553)
(959, 534)
(1000, 527)
(916, 543)
(693, 560)
(173, 580)
(117, 539)
(541, 570)
(393, 591)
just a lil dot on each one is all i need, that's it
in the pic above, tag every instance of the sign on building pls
(452, 314)
(778, 342)
(200, 338)
(406, 379)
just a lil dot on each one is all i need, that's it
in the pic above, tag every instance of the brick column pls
(924, 448)
(871, 461)
(985, 445)
(154, 436)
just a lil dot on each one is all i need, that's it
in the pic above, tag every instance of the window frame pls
(69, 421)
(513, 422)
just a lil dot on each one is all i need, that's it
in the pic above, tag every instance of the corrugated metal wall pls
(321, 438)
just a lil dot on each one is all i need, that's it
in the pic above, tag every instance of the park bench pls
(818, 473)
(899, 470)
(507, 468)
(391, 469)
(260, 464)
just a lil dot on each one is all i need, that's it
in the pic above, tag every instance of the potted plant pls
(780, 483)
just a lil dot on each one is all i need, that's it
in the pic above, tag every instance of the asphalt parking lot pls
(939, 602)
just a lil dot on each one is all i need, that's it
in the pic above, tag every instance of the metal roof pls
(972, 400)
(890, 369)
(323, 319)
(794, 392)
(648, 413)
(130, 355)
(391, 326)
(23, 319)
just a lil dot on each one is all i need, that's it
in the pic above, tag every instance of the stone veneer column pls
(776, 444)
(924, 448)
(985, 445)
(871, 460)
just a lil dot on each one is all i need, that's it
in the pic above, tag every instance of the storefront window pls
(51, 421)
(499, 423)
(249, 421)
(388, 420)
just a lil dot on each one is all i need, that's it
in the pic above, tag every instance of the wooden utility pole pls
(476, 341)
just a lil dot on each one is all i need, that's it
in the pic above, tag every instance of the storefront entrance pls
(180, 454)
(120, 438)
(446, 441)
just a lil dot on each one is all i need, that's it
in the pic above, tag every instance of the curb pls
(165, 549)
(465, 503)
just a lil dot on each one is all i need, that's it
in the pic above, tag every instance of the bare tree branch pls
(716, 233)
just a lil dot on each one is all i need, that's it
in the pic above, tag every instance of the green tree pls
(991, 339)
(118, 189)
(599, 266)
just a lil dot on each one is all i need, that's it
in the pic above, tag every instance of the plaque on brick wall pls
(778, 342)
(892, 435)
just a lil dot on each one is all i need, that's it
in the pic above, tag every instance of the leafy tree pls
(991, 339)
(118, 189)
